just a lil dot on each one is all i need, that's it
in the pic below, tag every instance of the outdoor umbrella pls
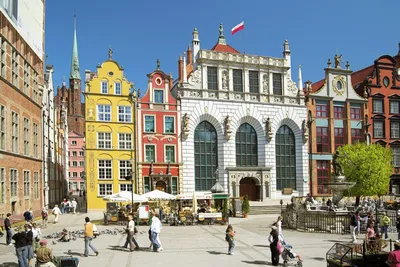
(159, 195)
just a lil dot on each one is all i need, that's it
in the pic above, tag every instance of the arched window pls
(285, 158)
(246, 146)
(205, 156)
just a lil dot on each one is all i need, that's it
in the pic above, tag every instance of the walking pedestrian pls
(28, 215)
(7, 226)
(130, 238)
(274, 245)
(29, 242)
(57, 212)
(74, 205)
(44, 255)
(385, 225)
(89, 238)
(21, 248)
(358, 222)
(155, 231)
(398, 225)
(353, 226)
(229, 237)
(36, 236)
(45, 216)
(63, 206)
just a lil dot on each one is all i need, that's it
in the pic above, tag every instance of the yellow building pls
(109, 109)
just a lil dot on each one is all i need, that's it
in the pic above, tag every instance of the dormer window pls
(104, 87)
(158, 96)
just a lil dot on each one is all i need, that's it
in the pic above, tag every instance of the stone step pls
(270, 209)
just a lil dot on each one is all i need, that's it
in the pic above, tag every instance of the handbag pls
(135, 230)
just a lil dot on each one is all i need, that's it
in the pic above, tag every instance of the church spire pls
(74, 73)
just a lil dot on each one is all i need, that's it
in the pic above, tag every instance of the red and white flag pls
(238, 28)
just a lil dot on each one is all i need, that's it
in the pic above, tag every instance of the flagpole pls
(244, 53)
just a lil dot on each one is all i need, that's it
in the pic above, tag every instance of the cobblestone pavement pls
(188, 245)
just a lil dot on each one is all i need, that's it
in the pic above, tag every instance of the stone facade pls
(266, 106)
(76, 153)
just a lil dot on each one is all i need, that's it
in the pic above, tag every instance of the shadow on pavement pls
(9, 264)
(257, 262)
(318, 258)
(261, 246)
(118, 248)
(71, 253)
(216, 253)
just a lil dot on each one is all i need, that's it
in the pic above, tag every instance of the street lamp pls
(130, 177)
(133, 97)
(310, 121)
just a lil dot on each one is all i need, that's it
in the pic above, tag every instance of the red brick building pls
(158, 137)
(21, 87)
(335, 118)
(381, 81)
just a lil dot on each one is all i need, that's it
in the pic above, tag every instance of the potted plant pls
(245, 206)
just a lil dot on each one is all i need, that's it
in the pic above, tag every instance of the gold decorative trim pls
(337, 79)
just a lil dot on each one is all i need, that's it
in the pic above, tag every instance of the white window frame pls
(120, 88)
(125, 142)
(74, 153)
(2, 185)
(106, 190)
(74, 174)
(105, 169)
(81, 164)
(125, 116)
(396, 153)
(3, 127)
(392, 103)
(101, 139)
(73, 143)
(15, 132)
(154, 122)
(383, 128)
(81, 154)
(125, 185)
(27, 137)
(74, 164)
(14, 181)
(165, 153)
(173, 128)
(154, 96)
(381, 103)
(145, 152)
(36, 185)
(394, 129)
(103, 113)
(35, 140)
(102, 87)
(27, 183)
(127, 169)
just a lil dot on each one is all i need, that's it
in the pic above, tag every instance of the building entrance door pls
(161, 185)
(248, 187)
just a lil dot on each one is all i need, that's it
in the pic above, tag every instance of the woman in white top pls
(36, 236)
(279, 226)
(130, 239)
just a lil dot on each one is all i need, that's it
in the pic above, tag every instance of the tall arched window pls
(285, 158)
(246, 146)
(205, 156)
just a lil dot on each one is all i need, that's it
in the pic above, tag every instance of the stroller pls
(288, 255)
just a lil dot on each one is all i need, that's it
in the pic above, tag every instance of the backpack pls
(44, 214)
(28, 215)
(227, 238)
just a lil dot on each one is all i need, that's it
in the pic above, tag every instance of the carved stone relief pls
(228, 131)
(225, 80)
(91, 168)
(186, 119)
(292, 86)
(195, 78)
(265, 83)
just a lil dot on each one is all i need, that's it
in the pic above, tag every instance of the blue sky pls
(142, 31)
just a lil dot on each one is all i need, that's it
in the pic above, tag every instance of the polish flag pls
(238, 28)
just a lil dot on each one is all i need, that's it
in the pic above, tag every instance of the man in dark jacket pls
(21, 248)
(7, 227)
(353, 226)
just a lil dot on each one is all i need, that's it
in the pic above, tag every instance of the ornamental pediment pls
(194, 81)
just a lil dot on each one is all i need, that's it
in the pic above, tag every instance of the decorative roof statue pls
(338, 60)
(221, 38)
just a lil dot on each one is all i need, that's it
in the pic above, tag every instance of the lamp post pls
(310, 121)
(281, 202)
(133, 96)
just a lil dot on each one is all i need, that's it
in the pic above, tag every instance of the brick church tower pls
(76, 118)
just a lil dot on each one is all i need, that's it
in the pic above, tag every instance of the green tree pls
(369, 166)
(225, 210)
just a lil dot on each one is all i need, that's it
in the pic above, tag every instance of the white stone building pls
(243, 121)
(49, 166)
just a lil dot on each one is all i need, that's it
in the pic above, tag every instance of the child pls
(229, 237)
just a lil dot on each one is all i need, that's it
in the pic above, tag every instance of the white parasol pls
(159, 195)
(125, 196)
